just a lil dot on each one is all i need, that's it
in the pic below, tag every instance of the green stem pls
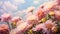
(9, 24)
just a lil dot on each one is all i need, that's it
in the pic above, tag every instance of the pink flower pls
(15, 19)
(6, 17)
(49, 24)
(39, 27)
(3, 26)
(19, 22)
(48, 5)
(31, 19)
(29, 26)
(40, 14)
(58, 1)
(4, 29)
(30, 9)
(21, 28)
(57, 15)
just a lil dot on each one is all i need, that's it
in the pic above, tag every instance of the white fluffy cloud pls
(2, 10)
(9, 6)
(39, 1)
(19, 13)
(19, 1)
(36, 1)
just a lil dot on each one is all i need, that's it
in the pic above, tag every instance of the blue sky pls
(15, 7)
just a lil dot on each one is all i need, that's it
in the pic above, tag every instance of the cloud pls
(25, 11)
(35, 1)
(9, 6)
(14, 1)
(2, 10)
(39, 1)
(19, 1)
(1, 3)
(19, 12)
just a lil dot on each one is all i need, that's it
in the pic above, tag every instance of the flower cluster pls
(46, 20)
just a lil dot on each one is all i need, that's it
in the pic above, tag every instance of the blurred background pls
(18, 7)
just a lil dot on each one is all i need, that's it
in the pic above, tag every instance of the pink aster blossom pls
(39, 27)
(57, 15)
(30, 9)
(19, 22)
(15, 19)
(21, 28)
(4, 29)
(40, 14)
(48, 5)
(49, 24)
(6, 17)
(31, 19)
